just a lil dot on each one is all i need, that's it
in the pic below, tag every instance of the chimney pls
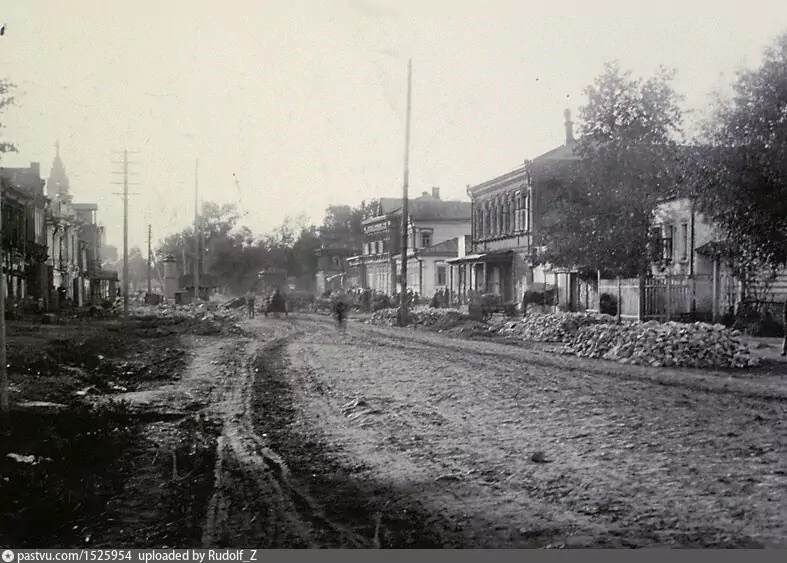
(36, 168)
(436, 193)
(424, 194)
(569, 126)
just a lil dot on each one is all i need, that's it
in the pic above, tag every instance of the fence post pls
(693, 307)
(641, 308)
(598, 290)
(715, 297)
(668, 289)
(557, 293)
(620, 295)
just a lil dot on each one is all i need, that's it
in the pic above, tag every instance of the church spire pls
(57, 185)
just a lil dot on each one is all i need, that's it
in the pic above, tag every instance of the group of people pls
(275, 303)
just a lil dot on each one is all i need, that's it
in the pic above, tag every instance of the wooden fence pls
(669, 297)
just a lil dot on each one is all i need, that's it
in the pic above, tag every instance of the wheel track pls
(264, 474)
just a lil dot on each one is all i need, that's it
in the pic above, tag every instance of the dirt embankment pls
(79, 465)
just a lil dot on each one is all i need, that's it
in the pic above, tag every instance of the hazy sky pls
(304, 100)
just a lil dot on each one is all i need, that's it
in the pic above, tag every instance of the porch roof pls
(498, 256)
(104, 275)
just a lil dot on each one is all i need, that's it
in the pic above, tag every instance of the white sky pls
(304, 100)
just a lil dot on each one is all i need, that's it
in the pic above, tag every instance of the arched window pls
(493, 217)
(512, 213)
(506, 216)
(486, 219)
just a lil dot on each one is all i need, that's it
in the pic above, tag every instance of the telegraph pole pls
(150, 252)
(125, 195)
(4, 402)
(196, 231)
(403, 312)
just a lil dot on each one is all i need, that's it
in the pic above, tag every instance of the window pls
(668, 248)
(426, 239)
(441, 277)
(656, 245)
(684, 241)
(512, 215)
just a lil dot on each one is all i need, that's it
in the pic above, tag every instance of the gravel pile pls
(698, 345)
(435, 319)
(202, 319)
(560, 327)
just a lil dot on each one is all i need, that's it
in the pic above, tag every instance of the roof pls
(446, 248)
(563, 152)
(423, 209)
(25, 180)
(497, 256)
(85, 206)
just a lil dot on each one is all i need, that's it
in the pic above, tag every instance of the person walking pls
(250, 298)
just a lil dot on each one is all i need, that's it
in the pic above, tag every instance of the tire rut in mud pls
(373, 513)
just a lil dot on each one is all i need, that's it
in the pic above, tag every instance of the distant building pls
(431, 221)
(74, 240)
(24, 233)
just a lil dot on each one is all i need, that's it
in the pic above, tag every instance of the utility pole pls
(196, 231)
(403, 312)
(125, 195)
(150, 252)
(4, 402)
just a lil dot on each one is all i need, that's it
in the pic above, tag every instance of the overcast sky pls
(304, 101)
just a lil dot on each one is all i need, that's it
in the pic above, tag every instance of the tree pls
(6, 100)
(600, 217)
(741, 169)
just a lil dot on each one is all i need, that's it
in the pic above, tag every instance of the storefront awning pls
(489, 257)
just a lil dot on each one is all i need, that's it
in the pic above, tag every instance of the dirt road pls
(391, 438)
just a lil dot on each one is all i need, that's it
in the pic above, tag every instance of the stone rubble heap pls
(698, 345)
(419, 316)
(202, 318)
(560, 327)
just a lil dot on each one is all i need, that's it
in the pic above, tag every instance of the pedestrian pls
(250, 297)
(784, 324)
(340, 310)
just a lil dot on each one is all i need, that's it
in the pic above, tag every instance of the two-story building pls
(507, 213)
(431, 221)
(24, 235)
(97, 283)
(332, 263)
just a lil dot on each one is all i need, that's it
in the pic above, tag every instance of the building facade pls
(507, 213)
(431, 221)
(332, 263)
(24, 234)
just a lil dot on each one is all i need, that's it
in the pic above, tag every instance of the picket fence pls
(663, 298)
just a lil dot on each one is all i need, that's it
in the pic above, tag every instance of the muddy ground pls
(295, 434)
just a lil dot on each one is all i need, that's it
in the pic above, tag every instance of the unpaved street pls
(392, 438)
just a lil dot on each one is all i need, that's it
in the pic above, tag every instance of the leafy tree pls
(740, 180)
(599, 213)
(6, 100)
